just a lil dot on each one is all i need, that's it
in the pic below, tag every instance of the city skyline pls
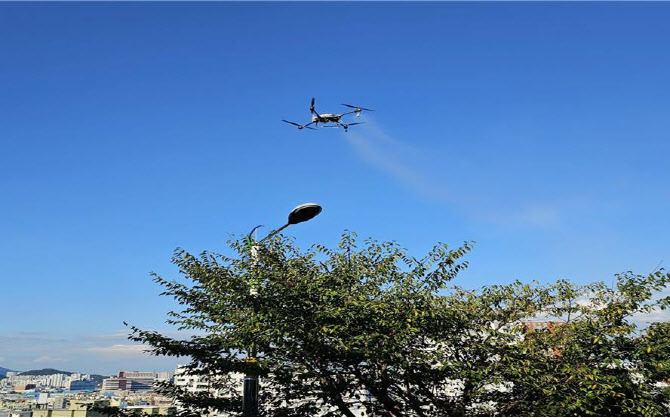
(130, 129)
(44, 393)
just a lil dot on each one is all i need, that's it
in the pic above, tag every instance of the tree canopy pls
(366, 329)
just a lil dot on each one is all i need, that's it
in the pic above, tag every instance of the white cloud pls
(119, 350)
(50, 359)
(657, 315)
(28, 339)
(121, 334)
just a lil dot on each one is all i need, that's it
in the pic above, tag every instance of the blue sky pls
(538, 130)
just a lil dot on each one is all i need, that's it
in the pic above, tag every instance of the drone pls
(335, 120)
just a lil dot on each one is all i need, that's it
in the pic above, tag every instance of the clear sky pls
(538, 130)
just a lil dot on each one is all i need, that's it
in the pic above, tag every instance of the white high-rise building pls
(164, 376)
(191, 383)
(197, 383)
(55, 380)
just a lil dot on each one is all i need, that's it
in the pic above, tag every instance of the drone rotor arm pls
(299, 125)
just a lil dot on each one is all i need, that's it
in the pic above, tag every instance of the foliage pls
(374, 331)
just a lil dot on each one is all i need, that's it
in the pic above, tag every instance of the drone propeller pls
(357, 108)
(347, 125)
(298, 125)
(311, 108)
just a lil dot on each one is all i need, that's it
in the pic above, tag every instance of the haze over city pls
(539, 131)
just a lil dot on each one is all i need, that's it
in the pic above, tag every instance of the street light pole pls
(299, 214)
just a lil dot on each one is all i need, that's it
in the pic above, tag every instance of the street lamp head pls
(303, 213)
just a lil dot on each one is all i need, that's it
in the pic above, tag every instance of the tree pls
(371, 330)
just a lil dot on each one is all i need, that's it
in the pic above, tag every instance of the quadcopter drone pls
(332, 118)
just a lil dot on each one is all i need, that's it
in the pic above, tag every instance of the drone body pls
(334, 119)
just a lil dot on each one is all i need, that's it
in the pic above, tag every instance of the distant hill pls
(44, 372)
(3, 371)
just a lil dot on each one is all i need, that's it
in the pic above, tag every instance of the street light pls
(300, 213)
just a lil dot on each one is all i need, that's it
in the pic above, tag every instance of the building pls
(20, 414)
(56, 380)
(78, 408)
(59, 402)
(164, 376)
(82, 385)
(198, 383)
(135, 381)
(63, 413)
(140, 385)
(113, 384)
(153, 410)
(86, 404)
